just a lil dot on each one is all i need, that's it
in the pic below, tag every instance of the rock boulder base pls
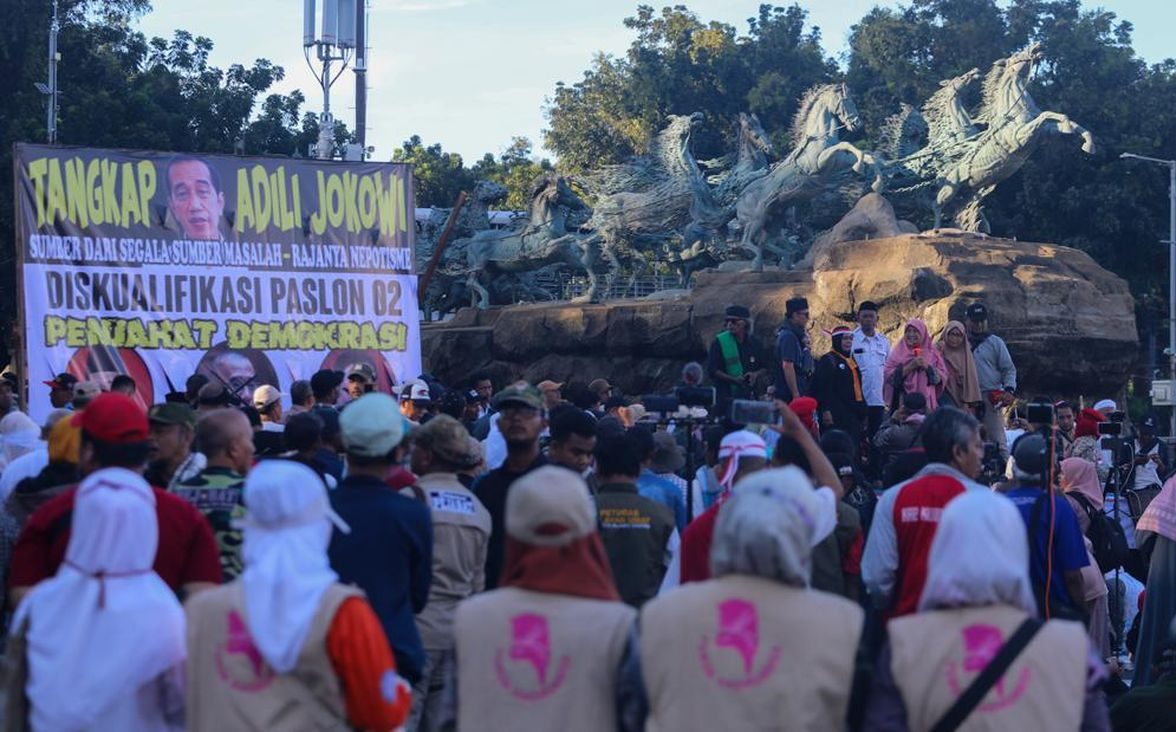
(1069, 323)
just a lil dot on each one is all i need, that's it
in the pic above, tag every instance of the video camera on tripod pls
(1122, 450)
(688, 407)
(670, 405)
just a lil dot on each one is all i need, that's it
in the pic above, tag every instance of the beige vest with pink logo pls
(536, 661)
(936, 655)
(745, 653)
(231, 687)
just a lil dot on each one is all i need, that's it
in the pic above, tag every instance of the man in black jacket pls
(638, 532)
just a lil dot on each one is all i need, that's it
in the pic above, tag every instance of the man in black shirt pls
(793, 352)
(735, 360)
(521, 420)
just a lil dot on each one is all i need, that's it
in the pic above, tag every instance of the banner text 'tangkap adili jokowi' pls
(249, 270)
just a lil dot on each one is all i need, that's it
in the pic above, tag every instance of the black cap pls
(977, 312)
(63, 381)
(325, 380)
(1029, 454)
(213, 395)
(868, 305)
(842, 463)
(738, 311)
(914, 401)
(1149, 422)
(795, 305)
(194, 383)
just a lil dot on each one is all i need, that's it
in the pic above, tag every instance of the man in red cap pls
(115, 435)
(61, 390)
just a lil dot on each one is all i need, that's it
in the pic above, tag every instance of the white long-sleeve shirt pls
(880, 559)
(870, 353)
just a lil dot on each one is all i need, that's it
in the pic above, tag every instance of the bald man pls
(226, 439)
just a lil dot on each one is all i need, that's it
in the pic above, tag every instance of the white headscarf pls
(768, 526)
(979, 556)
(735, 446)
(19, 435)
(286, 534)
(105, 624)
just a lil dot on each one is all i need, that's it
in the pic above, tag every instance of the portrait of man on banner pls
(195, 198)
(240, 371)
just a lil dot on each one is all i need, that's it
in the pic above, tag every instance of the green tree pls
(516, 168)
(900, 55)
(119, 89)
(1114, 210)
(677, 64)
(439, 176)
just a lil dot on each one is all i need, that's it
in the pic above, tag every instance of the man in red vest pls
(894, 567)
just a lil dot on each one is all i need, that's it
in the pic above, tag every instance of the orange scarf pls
(857, 377)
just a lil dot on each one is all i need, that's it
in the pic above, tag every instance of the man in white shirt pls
(870, 349)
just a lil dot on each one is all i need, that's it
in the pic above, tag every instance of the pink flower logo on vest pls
(531, 645)
(738, 631)
(238, 662)
(981, 644)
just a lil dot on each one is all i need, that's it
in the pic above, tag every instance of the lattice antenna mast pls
(49, 89)
(332, 36)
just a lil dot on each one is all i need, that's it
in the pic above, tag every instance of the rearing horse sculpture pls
(819, 152)
(675, 196)
(1014, 128)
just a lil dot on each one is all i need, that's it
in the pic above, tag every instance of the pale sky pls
(471, 74)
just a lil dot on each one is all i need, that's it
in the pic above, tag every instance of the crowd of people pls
(882, 547)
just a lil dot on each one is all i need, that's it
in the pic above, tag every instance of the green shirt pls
(218, 493)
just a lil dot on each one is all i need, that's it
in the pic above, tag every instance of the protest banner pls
(249, 270)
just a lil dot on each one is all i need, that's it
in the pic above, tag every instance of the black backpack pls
(1107, 540)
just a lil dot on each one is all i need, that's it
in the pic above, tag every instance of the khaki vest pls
(231, 687)
(936, 655)
(745, 653)
(536, 661)
(461, 533)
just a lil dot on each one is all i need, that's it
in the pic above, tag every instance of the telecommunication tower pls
(331, 36)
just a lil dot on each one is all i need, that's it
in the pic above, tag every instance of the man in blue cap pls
(389, 552)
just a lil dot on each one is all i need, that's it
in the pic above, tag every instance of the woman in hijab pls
(914, 365)
(1086, 441)
(285, 646)
(1084, 492)
(1155, 533)
(543, 651)
(104, 637)
(19, 435)
(978, 594)
(725, 653)
(962, 386)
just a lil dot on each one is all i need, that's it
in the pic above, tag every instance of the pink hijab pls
(1080, 476)
(1160, 516)
(917, 381)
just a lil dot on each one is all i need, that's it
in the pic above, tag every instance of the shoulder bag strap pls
(979, 688)
(16, 703)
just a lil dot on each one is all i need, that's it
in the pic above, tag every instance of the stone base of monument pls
(1069, 324)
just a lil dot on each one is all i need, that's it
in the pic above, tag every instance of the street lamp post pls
(1171, 165)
